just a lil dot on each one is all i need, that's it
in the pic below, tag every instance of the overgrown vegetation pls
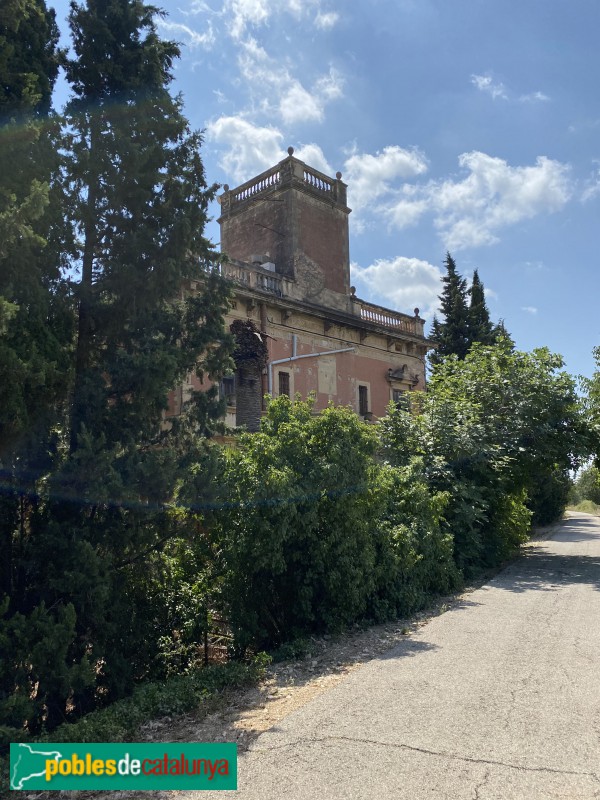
(102, 213)
(123, 539)
(122, 720)
(324, 519)
(586, 488)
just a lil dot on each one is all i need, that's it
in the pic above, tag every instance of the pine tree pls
(31, 344)
(499, 330)
(480, 328)
(35, 336)
(451, 335)
(34, 306)
(29, 57)
(137, 202)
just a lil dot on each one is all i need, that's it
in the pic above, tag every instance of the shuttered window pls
(284, 383)
(363, 400)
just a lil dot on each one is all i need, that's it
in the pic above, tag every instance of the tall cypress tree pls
(35, 338)
(30, 344)
(137, 202)
(139, 206)
(451, 335)
(480, 328)
(464, 323)
(133, 199)
(34, 306)
(29, 57)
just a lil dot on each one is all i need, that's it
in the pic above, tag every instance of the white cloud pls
(326, 20)
(470, 212)
(278, 92)
(592, 187)
(197, 7)
(485, 83)
(496, 89)
(312, 155)
(244, 14)
(330, 86)
(187, 35)
(402, 283)
(371, 176)
(250, 149)
(297, 105)
(529, 309)
(405, 212)
(534, 97)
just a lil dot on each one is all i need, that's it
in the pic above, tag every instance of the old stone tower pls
(296, 219)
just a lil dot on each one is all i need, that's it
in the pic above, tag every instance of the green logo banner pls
(46, 766)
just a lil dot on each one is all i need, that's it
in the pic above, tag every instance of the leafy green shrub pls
(150, 700)
(549, 496)
(587, 486)
(295, 527)
(291, 650)
(587, 507)
(414, 553)
(37, 673)
(508, 527)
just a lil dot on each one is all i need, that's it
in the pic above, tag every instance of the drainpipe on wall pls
(295, 357)
(263, 329)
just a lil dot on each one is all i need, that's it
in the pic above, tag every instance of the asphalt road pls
(497, 698)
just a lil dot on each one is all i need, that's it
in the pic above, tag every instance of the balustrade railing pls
(258, 184)
(289, 171)
(246, 276)
(269, 283)
(317, 180)
(390, 319)
(234, 272)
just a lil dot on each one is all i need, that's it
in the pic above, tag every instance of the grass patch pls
(587, 507)
(290, 651)
(120, 721)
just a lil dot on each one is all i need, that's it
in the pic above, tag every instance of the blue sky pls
(470, 126)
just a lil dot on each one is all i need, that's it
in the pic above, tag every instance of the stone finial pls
(290, 151)
(338, 175)
(353, 290)
(416, 312)
(226, 187)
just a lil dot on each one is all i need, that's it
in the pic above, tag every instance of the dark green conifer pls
(131, 197)
(137, 205)
(29, 57)
(480, 328)
(35, 339)
(451, 335)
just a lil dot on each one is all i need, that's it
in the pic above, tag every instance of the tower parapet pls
(296, 217)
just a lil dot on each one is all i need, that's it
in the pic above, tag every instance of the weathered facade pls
(285, 233)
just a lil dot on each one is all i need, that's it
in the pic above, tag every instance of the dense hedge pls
(319, 521)
(325, 519)
(316, 533)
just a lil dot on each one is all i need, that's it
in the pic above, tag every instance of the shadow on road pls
(577, 530)
(541, 569)
(410, 647)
